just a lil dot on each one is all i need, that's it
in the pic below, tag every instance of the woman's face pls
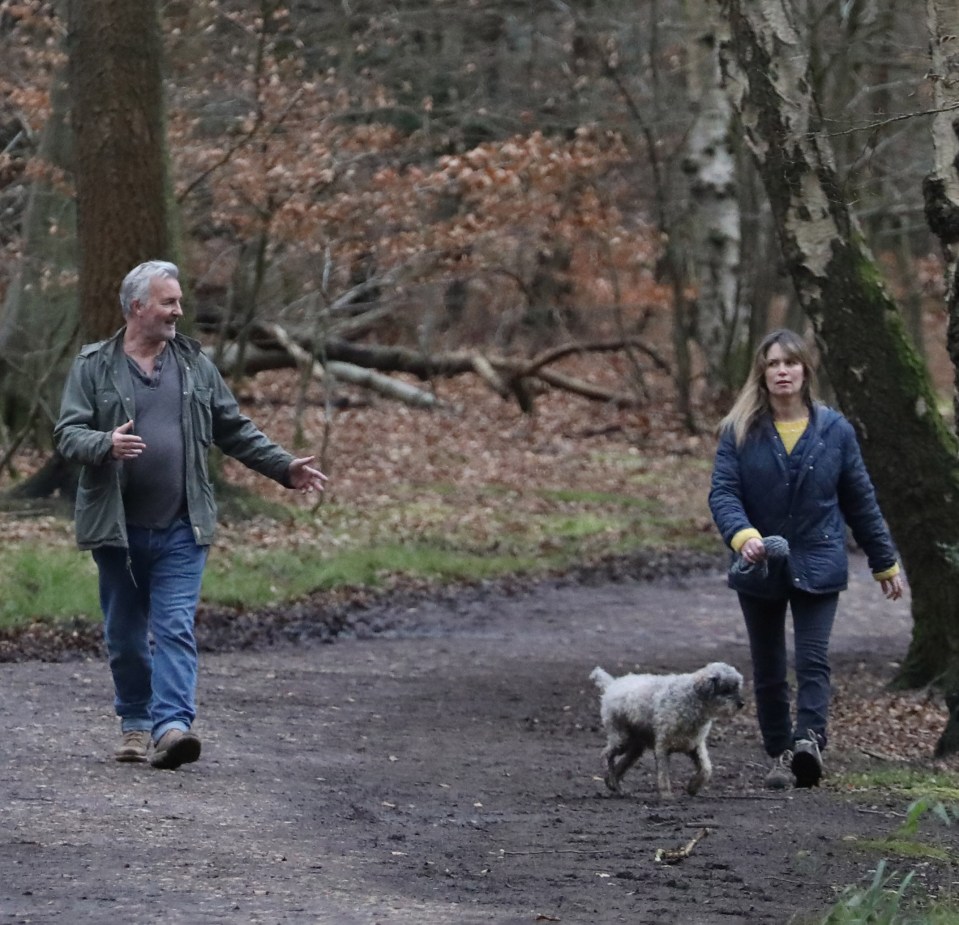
(784, 376)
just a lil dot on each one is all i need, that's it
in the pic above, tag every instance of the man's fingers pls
(304, 463)
(126, 445)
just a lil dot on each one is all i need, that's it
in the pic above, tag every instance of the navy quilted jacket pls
(751, 488)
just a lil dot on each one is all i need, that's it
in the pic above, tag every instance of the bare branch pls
(347, 372)
(604, 346)
(358, 364)
(882, 123)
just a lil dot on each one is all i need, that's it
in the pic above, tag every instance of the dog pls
(668, 713)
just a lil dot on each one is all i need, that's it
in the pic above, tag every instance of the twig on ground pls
(675, 855)
(882, 756)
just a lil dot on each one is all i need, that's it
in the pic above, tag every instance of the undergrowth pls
(894, 898)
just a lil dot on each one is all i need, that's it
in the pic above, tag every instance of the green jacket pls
(98, 398)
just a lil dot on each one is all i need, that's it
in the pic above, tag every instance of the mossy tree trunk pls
(879, 379)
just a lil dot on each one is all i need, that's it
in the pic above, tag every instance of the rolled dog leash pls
(777, 547)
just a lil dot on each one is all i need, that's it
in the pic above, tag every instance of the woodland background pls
(499, 263)
(478, 245)
(498, 178)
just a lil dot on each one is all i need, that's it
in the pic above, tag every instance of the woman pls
(789, 467)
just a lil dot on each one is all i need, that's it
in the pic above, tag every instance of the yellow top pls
(790, 432)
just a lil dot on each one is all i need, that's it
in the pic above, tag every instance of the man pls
(140, 412)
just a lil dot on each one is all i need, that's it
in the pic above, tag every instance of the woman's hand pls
(753, 550)
(893, 587)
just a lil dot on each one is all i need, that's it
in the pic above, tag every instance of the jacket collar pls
(185, 346)
(821, 418)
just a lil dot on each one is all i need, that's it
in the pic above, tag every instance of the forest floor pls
(431, 755)
(434, 759)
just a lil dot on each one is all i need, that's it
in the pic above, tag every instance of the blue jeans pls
(813, 617)
(149, 604)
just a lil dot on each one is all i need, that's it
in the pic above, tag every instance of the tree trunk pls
(880, 381)
(941, 190)
(714, 218)
(38, 319)
(120, 174)
(123, 194)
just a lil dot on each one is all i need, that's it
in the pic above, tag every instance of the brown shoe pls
(133, 746)
(175, 747)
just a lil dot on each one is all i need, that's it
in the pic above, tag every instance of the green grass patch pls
(56, 582)
(913, 783)
(254, 579)
(43, 582)
(903, 848)
(579, 525)
(600, 498)
(442, 532)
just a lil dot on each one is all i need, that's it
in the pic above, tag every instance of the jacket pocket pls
(110, 410)
(99, 508)
(201, 415)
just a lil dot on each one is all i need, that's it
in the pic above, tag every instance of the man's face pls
(157, 318)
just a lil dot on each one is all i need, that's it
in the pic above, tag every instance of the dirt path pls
(441, 772)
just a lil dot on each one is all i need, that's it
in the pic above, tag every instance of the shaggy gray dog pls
(668, 713)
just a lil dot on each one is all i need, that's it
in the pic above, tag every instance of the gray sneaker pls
(807, 760)
(133, 746)
(174, 748)
(780, 776)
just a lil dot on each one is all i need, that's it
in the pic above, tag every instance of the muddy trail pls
(435, 760)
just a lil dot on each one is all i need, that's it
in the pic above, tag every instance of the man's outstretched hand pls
(304, 477)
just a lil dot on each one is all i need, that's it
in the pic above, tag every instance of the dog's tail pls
(600, 678)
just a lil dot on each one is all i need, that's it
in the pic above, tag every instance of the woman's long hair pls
(753, 399)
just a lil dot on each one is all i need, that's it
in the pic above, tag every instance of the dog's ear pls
(706, 686)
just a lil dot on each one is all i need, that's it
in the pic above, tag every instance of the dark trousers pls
(813, 616)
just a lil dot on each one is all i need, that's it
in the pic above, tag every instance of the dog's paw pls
(696, 784)
(612, 784)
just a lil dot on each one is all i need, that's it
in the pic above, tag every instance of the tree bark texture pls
(941, 189)
(123, 195)
(38, 319)
(880, 381)
(714, 219)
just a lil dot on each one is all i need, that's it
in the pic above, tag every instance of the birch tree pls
(879, 379)
(941, 189)
(714, 226)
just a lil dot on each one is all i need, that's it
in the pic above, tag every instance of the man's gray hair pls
(136, 284)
